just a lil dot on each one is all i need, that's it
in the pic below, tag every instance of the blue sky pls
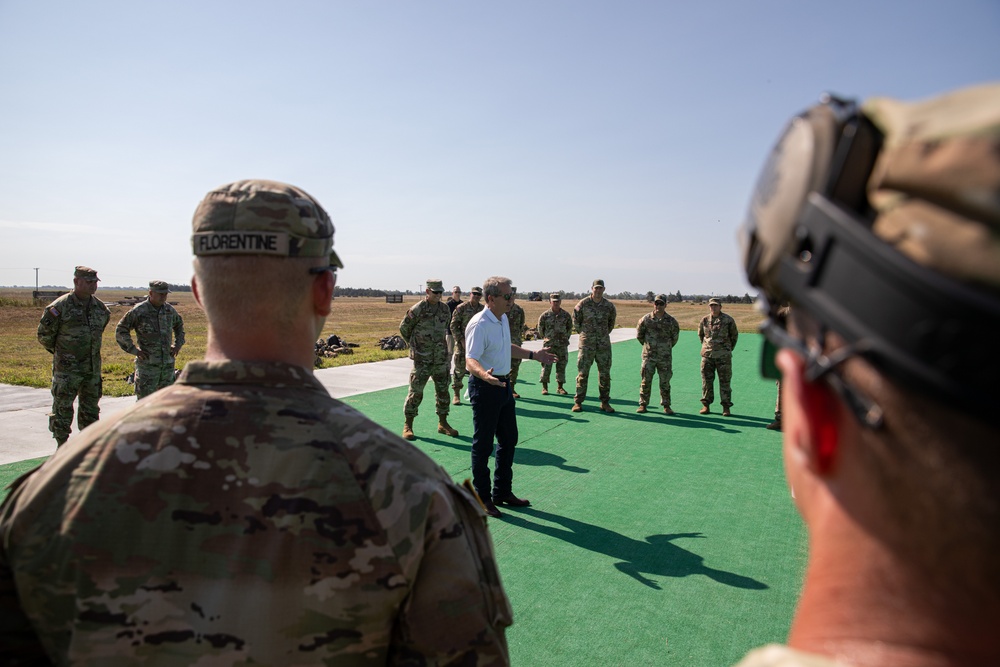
(552, 141)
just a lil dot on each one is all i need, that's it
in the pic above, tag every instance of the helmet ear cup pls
(798, 164)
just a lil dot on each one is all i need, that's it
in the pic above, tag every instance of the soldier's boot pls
(726, 412)
(606, 407)
(61, 440)
(514, 393)
(457, 400)
(545, 389)
(704, 410)
(577, 407)
(561, 391)
(408, 430)
(642, 408)
(667, 410)
(775, 425)
(444, 428)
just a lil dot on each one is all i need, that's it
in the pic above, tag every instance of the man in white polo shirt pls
(487, 358)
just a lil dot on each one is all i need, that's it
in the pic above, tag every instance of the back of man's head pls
(255, 242)
(880, 225)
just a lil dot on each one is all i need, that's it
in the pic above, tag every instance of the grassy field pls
(361, 320)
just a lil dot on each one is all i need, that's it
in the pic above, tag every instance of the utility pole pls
(36, 278)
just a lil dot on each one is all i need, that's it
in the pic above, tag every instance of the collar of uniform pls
(261, 373)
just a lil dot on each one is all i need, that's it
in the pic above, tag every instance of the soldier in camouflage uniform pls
(515, 319)
(243, 516)
(718, 335)
(423, 328)
(658, 332)
(555, 326)
(890, 435)
(71, 329)
(460, 319)
(594, 318)
(156, 322)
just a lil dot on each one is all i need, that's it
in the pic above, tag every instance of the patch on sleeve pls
(55, 313)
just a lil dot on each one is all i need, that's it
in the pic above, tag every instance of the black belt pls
(499, 377)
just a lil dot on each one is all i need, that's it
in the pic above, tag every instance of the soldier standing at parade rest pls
(718, 334)
(879, 224)
(658, 332)
(594, 318)
(155, 322)
(71, 330)
(555, 326)
(453, 301)
(242, 515)
(515, 318)
(423, 328)
(459, 320)
(488, 356)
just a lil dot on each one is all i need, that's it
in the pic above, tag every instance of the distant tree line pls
(675, 297)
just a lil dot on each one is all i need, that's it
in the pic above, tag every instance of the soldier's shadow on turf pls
(523, 455)
(626, 410)
(656, 556)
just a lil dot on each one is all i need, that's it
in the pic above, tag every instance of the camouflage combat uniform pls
(71, 330)
(344, 545)
(460, 319)
(594, 322)
(153, 328)
(658, 336)
(555, 329)
(718, 338)
(423, 329)
(515, 319)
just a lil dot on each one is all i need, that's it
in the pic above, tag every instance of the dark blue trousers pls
(493, 416)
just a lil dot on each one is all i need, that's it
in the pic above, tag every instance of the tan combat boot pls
(408, 430)
(457, 400)
(445, 429)
(561, 391)
(577, 407)
(545, 389)
(606, 407)
(642, 408)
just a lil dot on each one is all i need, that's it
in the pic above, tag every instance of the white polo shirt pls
(487, 340)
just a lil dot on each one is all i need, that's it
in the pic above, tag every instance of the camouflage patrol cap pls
(598, 282)
(85, 272)
(257, 217)
(435, 285)
(476, 290)
(936, 184)
(714, 302)
(660, 298)
(555, 296)
(159, 286)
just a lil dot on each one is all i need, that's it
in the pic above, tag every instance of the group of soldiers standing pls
(72, 328)
(435, 332)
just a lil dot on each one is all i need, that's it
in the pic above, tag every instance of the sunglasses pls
(818, 366)
(506, 296)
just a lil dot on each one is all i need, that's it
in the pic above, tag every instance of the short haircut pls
(492, 285)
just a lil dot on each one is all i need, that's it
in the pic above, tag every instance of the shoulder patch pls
(54, 311)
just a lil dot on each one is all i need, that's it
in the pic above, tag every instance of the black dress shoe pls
(491, 509)
(510, 499)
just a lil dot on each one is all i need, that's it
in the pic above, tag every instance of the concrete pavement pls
(24, 422)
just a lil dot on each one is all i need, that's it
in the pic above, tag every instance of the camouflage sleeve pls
(123, 333)
(734, 334)
(406, 326)
(675, 333)
(640, 330)
(105, 313)
(578, 318)
(48, 328)
(612, 316)
(457, 611)
(20, 644)
(541, 326)
(456, 328)
(178, 331)
(701, 330)
(569, 326)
